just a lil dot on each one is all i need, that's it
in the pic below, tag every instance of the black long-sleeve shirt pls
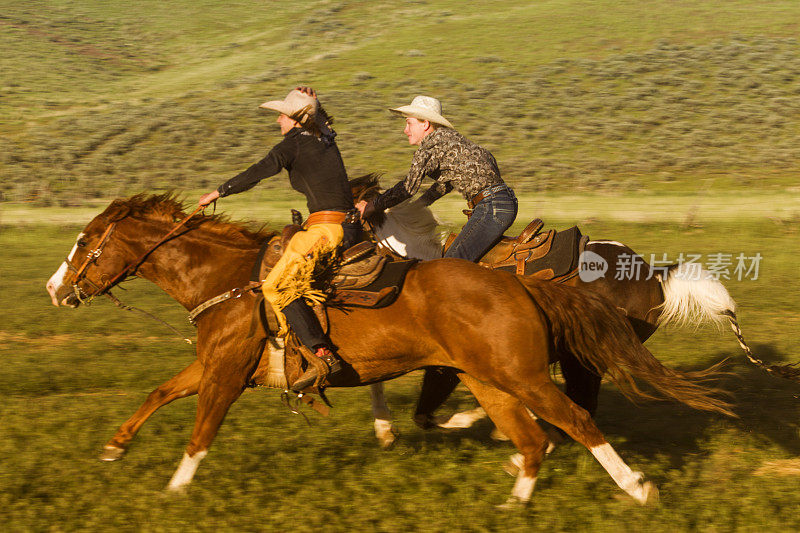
(315, 169)
(452, 161)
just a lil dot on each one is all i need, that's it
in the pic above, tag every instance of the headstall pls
(93, 255)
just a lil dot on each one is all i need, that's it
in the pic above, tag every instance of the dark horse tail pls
(603, 340)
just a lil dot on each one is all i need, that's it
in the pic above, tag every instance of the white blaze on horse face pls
(185, 472)
(57, 280)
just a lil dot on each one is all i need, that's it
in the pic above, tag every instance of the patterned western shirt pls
(453, 162)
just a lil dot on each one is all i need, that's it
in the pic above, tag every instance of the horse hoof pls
(112, 453)
(387, 439)
(650, 492)
(512, 504)
(425, 421)
(385, 433)
(645, 493)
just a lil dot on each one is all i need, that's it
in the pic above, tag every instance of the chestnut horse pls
(498, 333)
(678, 294)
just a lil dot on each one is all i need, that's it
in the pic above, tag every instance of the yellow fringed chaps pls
(292, 275)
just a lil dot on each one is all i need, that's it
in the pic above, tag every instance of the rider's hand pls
(367, 209)
(306, 90)
(208, 198)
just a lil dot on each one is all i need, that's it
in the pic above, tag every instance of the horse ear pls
(117, 211)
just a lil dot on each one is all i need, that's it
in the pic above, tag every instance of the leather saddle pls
(550, 254)
(360, 277)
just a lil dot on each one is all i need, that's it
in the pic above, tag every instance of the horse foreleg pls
(217, 392)
(183, 384)
(384, 430)
(514, 420)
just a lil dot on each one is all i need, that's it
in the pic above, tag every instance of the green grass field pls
(670, 126)
(70, 377)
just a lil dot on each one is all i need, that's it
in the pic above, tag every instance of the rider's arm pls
(421, 165)
(436, 191)
(275, 160)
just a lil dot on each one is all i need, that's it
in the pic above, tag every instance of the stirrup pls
(309, 377)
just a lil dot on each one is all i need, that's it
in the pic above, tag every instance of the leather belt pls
(488, 191)
(325, 217)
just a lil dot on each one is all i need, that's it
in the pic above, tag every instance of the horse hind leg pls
(514, 420)
(553, 406)
(183, 384)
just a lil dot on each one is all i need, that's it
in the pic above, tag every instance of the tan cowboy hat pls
(296, 105)
(424, 108)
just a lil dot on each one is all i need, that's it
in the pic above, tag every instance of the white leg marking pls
(523, 486)
(185, 472)
(628, 480)
(384, 430)
(464, 419)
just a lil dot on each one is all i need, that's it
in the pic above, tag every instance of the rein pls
(93, 255)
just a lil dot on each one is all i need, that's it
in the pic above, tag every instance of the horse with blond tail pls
(677, 295)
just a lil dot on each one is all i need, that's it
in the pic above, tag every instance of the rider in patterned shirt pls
(453, 162)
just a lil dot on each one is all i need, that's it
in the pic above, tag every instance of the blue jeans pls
(490, 218)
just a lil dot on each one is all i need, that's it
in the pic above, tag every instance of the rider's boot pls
(308, 329)
(310, 375)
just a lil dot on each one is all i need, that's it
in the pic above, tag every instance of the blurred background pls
(671, 126)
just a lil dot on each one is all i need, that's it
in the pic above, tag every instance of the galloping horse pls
(680, 294)
(500, 335)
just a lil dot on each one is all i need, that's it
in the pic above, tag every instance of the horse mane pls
(368, 182)
(169, 207)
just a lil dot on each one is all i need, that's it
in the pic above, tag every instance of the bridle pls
(80, 272)
(94, 255)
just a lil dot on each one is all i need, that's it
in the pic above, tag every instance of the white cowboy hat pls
(296, 105)
(424, 108)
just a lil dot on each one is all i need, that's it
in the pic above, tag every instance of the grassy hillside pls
(101, 99)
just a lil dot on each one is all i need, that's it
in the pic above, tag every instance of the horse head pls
(100, 254)
(144, 236)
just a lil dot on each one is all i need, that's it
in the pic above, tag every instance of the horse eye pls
(81, 243)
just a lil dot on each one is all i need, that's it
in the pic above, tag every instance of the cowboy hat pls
(424, 108)
(296, 105)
